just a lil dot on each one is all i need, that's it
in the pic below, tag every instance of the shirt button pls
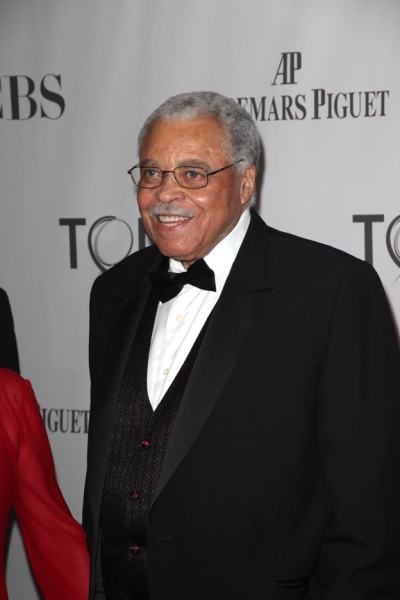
(145, 443)
(133, 547)
(166, 371)
(179, 317)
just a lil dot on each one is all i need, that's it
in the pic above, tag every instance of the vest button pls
(133, 547)
(145, 443)
(134, 494)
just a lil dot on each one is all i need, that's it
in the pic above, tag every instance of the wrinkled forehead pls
(192, 135)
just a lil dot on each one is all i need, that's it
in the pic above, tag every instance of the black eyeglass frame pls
(174, 176)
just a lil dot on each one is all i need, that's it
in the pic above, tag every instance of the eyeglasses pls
(186, 176)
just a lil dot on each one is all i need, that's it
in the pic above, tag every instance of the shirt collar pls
(221, 258)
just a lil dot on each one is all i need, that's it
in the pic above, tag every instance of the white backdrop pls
(77, 81)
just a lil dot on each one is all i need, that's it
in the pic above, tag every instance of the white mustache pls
(165, 208)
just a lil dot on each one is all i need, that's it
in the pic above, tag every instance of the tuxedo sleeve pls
(99, 321)
(55, 542)
(359, 437)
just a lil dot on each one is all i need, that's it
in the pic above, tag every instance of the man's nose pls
(169, 188)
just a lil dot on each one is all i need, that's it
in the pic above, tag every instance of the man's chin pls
(178, 256)
(178, 253)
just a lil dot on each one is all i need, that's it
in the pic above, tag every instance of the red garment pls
(54, 541)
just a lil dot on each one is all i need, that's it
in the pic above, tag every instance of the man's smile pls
(172, 220)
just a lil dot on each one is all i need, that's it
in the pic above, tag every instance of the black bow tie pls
(168, 285)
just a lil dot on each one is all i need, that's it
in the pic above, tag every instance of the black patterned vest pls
(136, 455)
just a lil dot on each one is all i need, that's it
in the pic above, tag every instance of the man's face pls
(184, 223)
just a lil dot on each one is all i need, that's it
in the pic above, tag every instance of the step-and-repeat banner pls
(77, 80)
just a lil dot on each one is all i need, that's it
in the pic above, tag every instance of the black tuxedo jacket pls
(8, 342)
(281, 478)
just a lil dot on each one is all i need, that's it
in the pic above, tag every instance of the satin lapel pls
(236, 312)
(126, 315)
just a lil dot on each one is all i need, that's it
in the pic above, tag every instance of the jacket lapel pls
(245, 294)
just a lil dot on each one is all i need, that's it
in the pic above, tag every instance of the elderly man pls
(244, 439)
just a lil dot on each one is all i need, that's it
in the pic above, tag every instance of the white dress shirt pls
(179, 321)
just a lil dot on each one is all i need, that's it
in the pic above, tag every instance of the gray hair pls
(240, 131)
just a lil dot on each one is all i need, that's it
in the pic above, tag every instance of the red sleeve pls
(55, 542)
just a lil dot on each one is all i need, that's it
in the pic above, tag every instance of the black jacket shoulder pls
(121, 279)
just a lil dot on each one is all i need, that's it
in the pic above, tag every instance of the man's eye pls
(150, 173)
(192, 174)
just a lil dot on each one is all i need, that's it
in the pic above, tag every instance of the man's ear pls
(248, 184)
